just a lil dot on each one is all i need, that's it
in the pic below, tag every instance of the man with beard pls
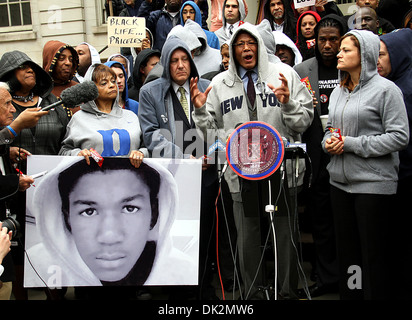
(160, 22)
(281, 18)
(322, 75)
(88, 55)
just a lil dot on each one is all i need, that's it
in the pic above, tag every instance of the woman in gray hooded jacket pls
(370, 113)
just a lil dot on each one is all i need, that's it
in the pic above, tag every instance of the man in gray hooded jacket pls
(282, 101)
(234, 14)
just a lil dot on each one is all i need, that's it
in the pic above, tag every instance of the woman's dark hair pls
(68, 179)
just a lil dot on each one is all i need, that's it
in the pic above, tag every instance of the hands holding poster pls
(125, 31)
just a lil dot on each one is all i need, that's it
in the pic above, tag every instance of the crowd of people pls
(340, 84)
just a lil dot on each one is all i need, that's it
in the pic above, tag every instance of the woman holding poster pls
(103, 125)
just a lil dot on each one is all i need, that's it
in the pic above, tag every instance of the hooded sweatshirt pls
(57, 248)
(283, 39)
(399, 45)
(227, 104)
(221, 32)
(130, 104)
(265, 32)
(137, 82)
(161, 132)
(207, 59)
(128, 71)
(111, 134)
(94, 56)
(51, 53)
(306, 46)
(212, 39)
(373, 119)
(47, 135)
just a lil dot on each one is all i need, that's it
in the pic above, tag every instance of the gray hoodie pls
(207, 59)
(111, 134)
(227, 104)
(161, 132)
(373, 119)
(221, 32)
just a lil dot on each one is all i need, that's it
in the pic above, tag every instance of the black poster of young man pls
(114, 224)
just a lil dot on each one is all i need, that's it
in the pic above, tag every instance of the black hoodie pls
(143, 56)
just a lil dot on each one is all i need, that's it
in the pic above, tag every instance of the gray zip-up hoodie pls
(373, 120)
(227, 104)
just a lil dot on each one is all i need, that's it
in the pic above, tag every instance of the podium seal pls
(255, 150)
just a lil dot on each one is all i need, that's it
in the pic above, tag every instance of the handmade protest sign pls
(125, 31)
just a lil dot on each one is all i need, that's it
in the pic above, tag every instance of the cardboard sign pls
(303, 3)
(125, 31)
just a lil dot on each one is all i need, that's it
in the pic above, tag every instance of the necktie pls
(183, 102)
(231, 29)
(251, 88)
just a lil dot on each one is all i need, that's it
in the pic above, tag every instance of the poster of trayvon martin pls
(91, 225)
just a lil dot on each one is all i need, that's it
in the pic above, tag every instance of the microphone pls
(76, 95)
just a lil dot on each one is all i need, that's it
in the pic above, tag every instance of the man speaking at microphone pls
(253, 89)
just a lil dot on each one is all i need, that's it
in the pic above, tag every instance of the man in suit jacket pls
(321, 73)
(165, 113)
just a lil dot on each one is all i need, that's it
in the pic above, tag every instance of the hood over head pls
(187, 36)
(198, 14)
(10, 61)
(298, 32)
(171, 44)
(129, 71)
(140, 58)
(242, 11)
(125, 94)
(199, 33)
(55, 233)
(269, 40)
(283, 39)
(91, 106)
(262, 61)
(369, 50)
(330, 20)
(94, 57)
(51, 52)
(399, 45)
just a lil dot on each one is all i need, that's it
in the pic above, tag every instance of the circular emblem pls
(323, 98)
(255, 150)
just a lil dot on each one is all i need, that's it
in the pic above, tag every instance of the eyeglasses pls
(242, 44)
